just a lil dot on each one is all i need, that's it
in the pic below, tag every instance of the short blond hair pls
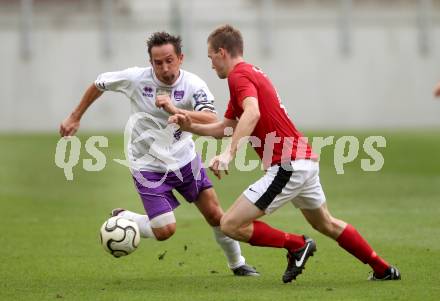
(227, 37)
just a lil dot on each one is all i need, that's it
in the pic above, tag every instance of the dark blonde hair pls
(227, 37)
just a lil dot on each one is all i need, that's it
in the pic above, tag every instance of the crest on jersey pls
(178, 95)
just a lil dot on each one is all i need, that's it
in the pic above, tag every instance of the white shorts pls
(298, 184)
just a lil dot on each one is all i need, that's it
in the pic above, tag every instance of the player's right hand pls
(69, 126)
(220, 163)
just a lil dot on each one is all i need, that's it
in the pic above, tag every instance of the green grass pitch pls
(49, 245)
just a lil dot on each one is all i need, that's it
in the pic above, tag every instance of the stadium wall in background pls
(336, 63)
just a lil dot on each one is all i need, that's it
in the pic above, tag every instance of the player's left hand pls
(164, 102)
(220, 163)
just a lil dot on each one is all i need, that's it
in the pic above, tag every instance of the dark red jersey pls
(280, 140)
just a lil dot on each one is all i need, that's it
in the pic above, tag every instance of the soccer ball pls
(120, 236)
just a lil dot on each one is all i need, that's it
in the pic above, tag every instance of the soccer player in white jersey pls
(162, 158)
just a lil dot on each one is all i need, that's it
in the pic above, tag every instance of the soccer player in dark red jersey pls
(292, 170)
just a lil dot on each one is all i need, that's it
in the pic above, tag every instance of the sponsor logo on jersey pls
(148, 91)
(178, 95)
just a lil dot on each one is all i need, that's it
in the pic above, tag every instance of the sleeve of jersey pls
(203, 100)
(119, 81)
(244, 87)
(230, 114)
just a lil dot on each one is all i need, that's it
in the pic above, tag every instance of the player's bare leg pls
(322, 221)
(240, 222)
(160, 227)
(209, 206)
(237, 222)
(349, 239)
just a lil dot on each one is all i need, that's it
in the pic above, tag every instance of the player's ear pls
(222, 52)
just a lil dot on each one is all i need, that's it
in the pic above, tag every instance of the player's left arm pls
(244, 128)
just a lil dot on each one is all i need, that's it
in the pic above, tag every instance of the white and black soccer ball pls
(120, 236)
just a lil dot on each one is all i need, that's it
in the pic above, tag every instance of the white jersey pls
(155, 145)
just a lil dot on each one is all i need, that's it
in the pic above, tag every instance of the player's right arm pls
(118, 81)
(71, 124)
(217, 130)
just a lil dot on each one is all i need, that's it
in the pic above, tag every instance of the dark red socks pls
(356, 245)
(266, 236)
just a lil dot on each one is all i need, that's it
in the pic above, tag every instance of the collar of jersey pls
(236, 67)
(161, 84)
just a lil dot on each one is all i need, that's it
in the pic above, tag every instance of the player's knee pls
(165, 232)
(161, 236)
(163, 225)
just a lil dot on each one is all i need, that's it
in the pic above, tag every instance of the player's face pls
(218, 61)
(166, 63)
